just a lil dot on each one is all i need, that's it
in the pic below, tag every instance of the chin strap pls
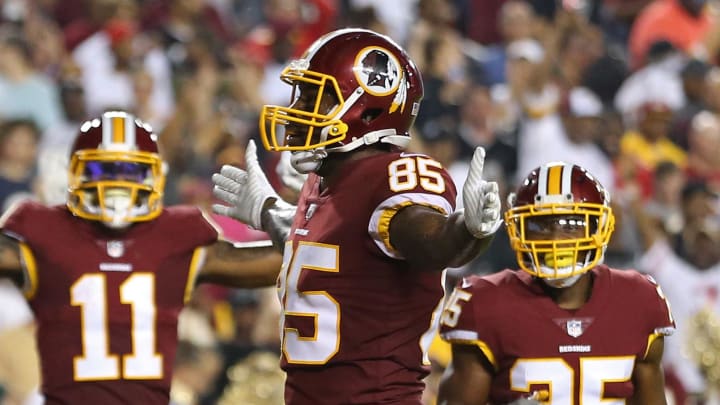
(381, 136)
(562, 282)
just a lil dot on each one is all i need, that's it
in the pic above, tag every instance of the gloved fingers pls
(478, 162)
(225, 183)
(251, 159)
(490, 215)
(234, 173)
(222, 210)
(491, 195)
(224, 195)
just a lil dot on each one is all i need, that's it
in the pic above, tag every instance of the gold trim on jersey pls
(484, 348)
(389, 213)
(196, 262)
(30, 271)
(384, 223)
(651, 338)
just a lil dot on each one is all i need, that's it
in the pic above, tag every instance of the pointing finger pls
(251, 154)
(478, 160)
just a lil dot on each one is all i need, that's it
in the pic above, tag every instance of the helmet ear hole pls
(370, 114)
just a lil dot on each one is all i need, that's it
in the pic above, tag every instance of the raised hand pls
(481, 199)
(246, 191)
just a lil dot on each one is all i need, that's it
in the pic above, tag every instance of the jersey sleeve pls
(409, 180)
(200, 231)
(193, 226)
(655, 308)
(20, 220)
(27, 223)
(659, 312)
(465, 319)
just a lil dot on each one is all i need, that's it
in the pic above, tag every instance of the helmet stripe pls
(554, 180)
(130, 130)
(542, 180)
(567, 179)
(107, 130)
(118, 129)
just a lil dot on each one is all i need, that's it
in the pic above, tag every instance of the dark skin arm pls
(240, 266)
(466, 379)
(648, 377)
(430, 240)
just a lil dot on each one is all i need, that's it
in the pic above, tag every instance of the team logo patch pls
(574, 326)
(115, 248)
(378, 71)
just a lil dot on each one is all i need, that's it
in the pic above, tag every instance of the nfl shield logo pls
(574, 327)
(115, 248)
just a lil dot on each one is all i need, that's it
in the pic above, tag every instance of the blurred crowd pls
(629, 89)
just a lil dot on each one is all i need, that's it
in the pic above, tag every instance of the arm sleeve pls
(197, 226)
(659, 311)
(431, 186)
(17, 222)
(465, 319)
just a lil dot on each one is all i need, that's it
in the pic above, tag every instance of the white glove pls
(245, 190)
(481, 199)
(290, 177)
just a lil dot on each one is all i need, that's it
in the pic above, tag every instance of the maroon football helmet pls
(116, 173)
(375, 90)
(559, 198)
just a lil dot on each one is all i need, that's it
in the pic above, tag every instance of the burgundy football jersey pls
(357, 320)
(107, 303)
(581, 356)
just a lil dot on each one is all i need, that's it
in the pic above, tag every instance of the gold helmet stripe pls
(555, 179)
(554, 185)
(118, 130)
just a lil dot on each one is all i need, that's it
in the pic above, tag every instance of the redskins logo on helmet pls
(559, 222)
(116, 173)
(375, 90)
(377, 71)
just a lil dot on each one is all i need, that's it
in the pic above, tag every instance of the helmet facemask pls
(559, 242)
(115, 188)
(314, 114)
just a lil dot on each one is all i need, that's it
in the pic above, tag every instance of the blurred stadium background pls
(629, 89)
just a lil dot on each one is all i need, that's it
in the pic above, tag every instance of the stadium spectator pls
(24, 92)
(18, 153)
(690, 21)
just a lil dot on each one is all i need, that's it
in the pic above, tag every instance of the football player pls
(107, 274)
(373, 229)
(565, 329)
